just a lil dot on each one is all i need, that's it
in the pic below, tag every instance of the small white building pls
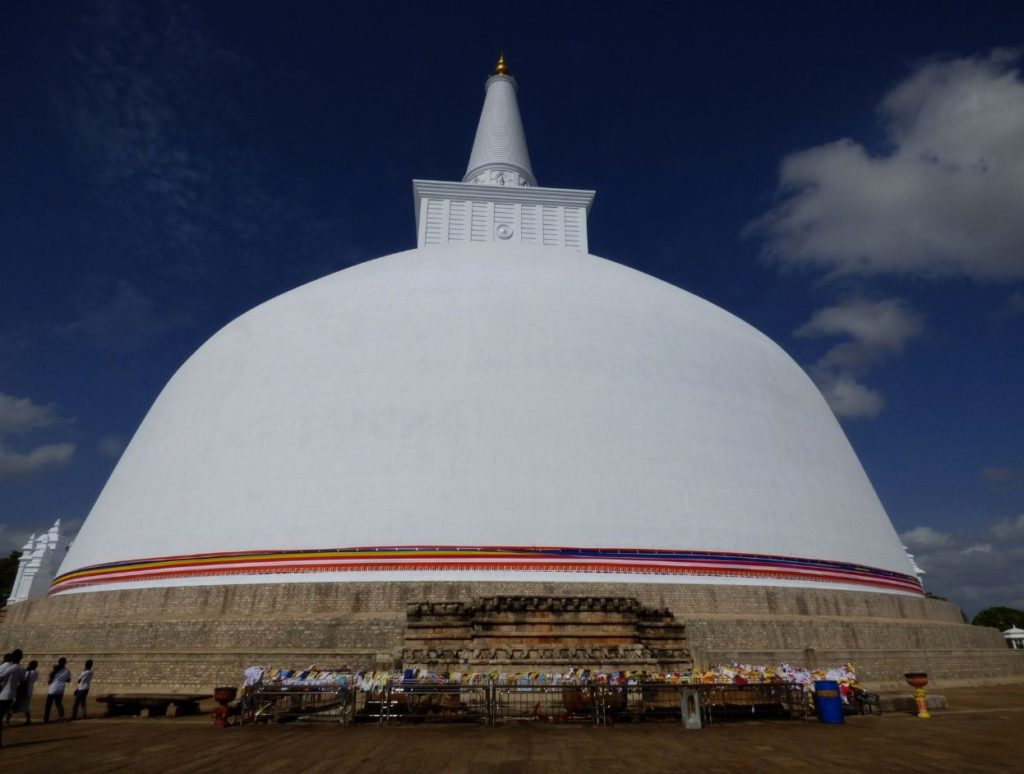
(1014, 638)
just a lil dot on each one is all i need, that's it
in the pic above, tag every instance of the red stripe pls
(278, 566)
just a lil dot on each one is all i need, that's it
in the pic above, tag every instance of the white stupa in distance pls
(38, 564)
(496, 404)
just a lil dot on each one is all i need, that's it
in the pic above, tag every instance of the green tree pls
(8, 572)
(1001, 618)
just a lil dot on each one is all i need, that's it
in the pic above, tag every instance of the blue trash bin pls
(828, 701)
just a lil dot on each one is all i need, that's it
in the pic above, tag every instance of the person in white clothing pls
(11, 674)
(23, 701)
(82, 691)
(60, 676)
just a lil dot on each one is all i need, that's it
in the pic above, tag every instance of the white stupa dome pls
(495, 404)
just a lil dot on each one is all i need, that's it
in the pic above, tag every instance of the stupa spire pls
(500, 155)
(499, 201)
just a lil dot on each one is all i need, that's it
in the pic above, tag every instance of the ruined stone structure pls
(543, 633)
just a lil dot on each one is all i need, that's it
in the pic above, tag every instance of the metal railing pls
(281, 704)
(427, 703)
(495, 703)
(565, 703)
(724, 701)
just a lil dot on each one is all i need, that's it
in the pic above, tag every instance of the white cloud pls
(111, 445)
(1009, 529)
(129, 122)
(1002, 474)
(165, 143)
(848, 398)
(976, 571)
(875, 330)
(21, 416)
(126, 321)
(925, 538)
(18, 415)
(1004, 478)
(945, 199)
(16, 465)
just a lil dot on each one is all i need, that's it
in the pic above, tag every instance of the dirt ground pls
(980, 732)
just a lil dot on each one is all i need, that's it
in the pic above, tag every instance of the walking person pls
(11, 674)
(82, 691)
(23, 701)
(60, 676)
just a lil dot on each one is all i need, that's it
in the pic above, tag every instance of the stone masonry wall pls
(297, 600)
(191, 638)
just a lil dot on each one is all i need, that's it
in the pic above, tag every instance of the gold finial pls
(502, 67)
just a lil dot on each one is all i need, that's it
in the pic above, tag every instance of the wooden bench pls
(155, 705)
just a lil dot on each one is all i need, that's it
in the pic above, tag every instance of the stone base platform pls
(192, 638)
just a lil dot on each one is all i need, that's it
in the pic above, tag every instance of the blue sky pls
(850, 184)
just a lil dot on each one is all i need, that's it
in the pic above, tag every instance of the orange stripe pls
(80, 580)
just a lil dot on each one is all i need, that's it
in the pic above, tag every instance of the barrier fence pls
(494, 704)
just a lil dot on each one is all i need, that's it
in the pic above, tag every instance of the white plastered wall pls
(489, 395)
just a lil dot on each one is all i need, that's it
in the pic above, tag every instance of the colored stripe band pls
(488, 558)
